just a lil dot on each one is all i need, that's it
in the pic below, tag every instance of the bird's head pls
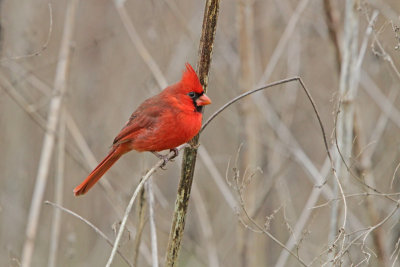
(192, 89)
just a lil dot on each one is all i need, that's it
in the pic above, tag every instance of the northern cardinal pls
(164, 121)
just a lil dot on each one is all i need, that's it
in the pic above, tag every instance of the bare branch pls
(298, 79)
(240, 185)
(153, 232)
(58, 193)
(137, 41)
(97, 230)
(141, 208)
(44, 46)
(190, 154)
(394, 175)
(344, 127)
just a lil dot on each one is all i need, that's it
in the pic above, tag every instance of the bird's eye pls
(192, 94)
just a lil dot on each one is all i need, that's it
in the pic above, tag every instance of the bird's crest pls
(190, 79)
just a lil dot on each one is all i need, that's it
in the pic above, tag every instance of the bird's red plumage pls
(161, 122)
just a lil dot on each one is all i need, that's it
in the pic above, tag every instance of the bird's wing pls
(143, 119)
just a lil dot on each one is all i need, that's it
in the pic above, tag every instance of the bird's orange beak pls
(203, 100)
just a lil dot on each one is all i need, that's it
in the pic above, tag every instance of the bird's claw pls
(165, 157)
(162, 167)
(176, 153)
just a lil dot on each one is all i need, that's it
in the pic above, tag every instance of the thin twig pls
(173, 6)
(58, 193)
(230, 102)
(259, 229)
(363, 194)
(384, 54)
(44, 46)
(21, 102)
(368, 231)
(394, 175)
(141, 211)
(332, 21)
(280, 47)
(396, 252)
(358, 179)
(137, 41)
(302, 220)
(97, 230)
(153, 232)
(364, 43)
(383, 102)
(298, 79)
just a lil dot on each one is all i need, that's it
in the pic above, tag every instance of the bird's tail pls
(99, 171)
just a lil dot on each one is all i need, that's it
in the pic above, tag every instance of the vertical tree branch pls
(252, 153)
(48, 143)
(141, 209)
(190, 153)
(364, 169)
(153, 232)
(58, 193)
(347, 93)
(332, 21)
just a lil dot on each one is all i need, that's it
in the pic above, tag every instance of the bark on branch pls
(190, 153)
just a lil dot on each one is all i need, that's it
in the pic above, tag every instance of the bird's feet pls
(165, 157)
(176, 152)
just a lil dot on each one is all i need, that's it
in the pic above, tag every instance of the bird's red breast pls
(168, 119)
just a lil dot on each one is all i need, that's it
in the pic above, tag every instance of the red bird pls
(164, 121)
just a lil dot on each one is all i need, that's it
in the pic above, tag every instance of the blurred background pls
(262, 167)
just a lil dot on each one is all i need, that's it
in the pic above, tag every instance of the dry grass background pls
(108, 78)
